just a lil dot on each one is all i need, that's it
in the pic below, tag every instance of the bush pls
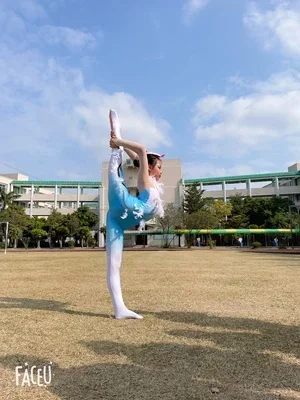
(256, 245)
(71, 244)
(2, 245)
(282, 246)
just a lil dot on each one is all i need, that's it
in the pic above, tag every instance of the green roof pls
(243, 178)
(187, 182)
(74, 184)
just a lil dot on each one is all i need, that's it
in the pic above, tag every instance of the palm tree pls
(6, 199)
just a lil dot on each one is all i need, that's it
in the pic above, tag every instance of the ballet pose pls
(126, 210)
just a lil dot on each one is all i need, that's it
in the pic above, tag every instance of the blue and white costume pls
(125, 211)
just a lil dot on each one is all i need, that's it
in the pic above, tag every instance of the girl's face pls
(156, 171)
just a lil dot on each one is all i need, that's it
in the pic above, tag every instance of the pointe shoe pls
(115, 123)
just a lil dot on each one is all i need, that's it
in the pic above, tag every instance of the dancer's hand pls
(112, 144)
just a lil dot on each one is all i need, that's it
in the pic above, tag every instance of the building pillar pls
(224, 191)
(55, 198)
(277, 187)
(248, 185)
(31, 201)
(78, 196)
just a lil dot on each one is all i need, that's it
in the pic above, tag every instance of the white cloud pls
(277, 28)
(192, 7)
(31, 9)
(74, 39)
(91, 113)
(264, 123)
(22, 24)
(52, 123)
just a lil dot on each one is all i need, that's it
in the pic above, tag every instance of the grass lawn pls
(217, 325)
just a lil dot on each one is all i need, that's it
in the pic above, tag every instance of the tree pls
(84, 234)
(193, 200)
(54, 220)
(57, 227)
(86, 217)
(6, 199)
(221, 210)
(238, 218)
(38, 234)
(37, 229)
(61, 233)
(203, 219)
(15, 233)
(18, 222)
(73, 224)
(172, 219)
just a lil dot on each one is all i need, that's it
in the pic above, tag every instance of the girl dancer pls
(125, 210)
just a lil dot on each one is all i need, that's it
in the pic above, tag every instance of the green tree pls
(221, 210)
(261, 211)
(61, 232)
(86, 217)
(84, 234)
(37, 229)
(203, 219)
(172, 219)
(238, 217)
(56, 226)
(193, 200)
(280, 220)
(18, 222)
(73, 224)
(15, 234)
(6, 199)
(38, 234)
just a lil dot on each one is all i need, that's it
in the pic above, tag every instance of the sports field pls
(217, 325)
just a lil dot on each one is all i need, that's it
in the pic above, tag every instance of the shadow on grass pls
(256, 334)
(45, 305)
(246, 359)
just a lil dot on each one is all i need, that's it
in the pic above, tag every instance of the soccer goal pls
(6, 235)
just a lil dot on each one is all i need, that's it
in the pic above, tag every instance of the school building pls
(39, 198)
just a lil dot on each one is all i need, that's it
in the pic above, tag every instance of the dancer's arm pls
(130, 153)
(140, 150)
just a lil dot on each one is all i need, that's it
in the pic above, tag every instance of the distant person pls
(198, 242)
(240, 240)
(276, 242)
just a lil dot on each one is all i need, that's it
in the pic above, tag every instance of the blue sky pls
(215, 83)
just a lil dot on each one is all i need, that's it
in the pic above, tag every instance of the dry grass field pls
(217, 325)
